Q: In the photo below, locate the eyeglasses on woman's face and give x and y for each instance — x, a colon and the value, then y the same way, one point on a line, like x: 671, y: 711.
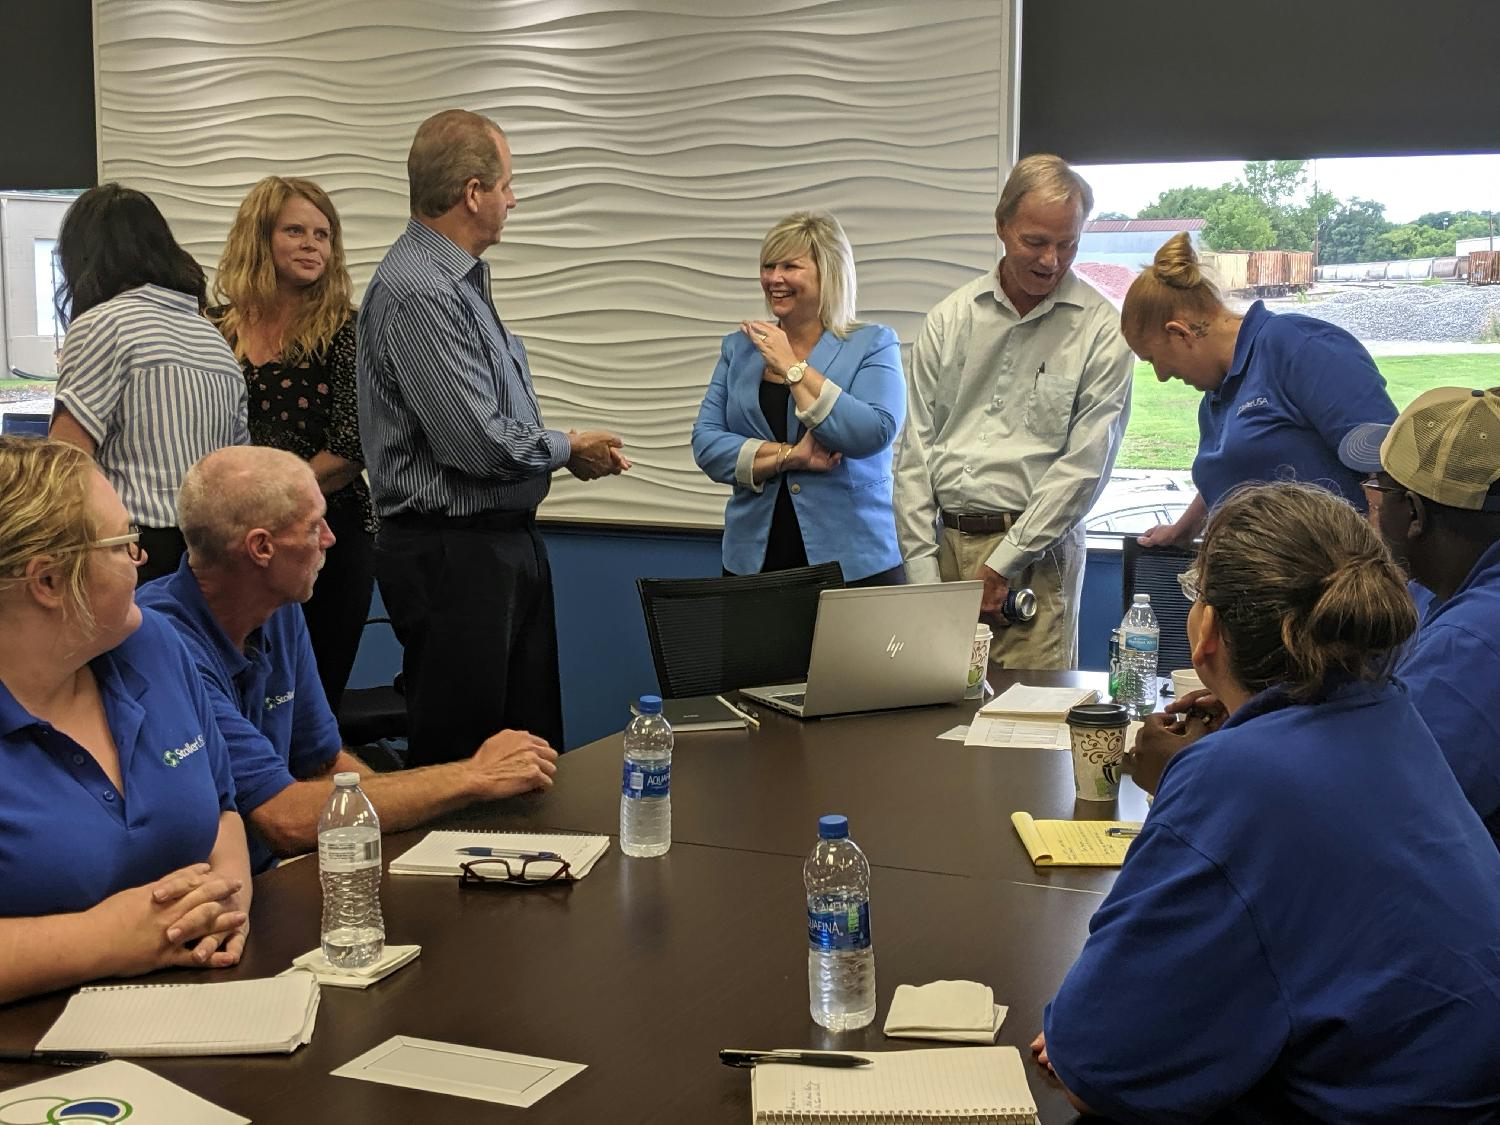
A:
x: 131, y: 541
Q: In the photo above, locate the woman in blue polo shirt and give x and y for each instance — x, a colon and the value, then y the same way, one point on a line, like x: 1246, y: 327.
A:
x: 120, y: 850
x: 1308, y: 926
x: 1280, y: 390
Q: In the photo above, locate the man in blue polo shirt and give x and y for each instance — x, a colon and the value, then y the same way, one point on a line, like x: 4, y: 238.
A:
x: 254, y: 523
x: 1434, y: 484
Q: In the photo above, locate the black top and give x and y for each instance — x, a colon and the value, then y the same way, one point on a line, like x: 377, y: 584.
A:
x: 311, y: 406
x: 784, y: 548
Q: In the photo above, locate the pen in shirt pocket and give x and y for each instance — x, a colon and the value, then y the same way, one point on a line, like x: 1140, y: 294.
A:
x: 1040, y: 371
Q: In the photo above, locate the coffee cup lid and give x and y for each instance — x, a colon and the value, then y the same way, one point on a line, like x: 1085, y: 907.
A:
x: 1099, y: 715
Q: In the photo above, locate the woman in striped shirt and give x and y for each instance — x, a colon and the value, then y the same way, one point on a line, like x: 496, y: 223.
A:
x: 288, y: 316
x: 145, y: 383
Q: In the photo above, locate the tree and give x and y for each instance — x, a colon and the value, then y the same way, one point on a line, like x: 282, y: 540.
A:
x: 1183, y: 203
x: 1275, y: 182
x: 1239, y: 221
x: 1112, y: 215
x: 1352, y: 232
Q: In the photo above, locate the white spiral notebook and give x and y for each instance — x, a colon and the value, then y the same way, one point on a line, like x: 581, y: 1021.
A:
x: 978, y: 1085
x: 440, y: 852
x: 237, y: 1017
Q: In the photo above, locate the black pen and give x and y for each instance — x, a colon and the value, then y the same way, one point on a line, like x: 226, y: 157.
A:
x: 730, y: 1057
x: 54, y: 1058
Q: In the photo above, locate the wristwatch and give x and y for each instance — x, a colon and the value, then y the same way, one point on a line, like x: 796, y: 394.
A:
x: 795, y: 372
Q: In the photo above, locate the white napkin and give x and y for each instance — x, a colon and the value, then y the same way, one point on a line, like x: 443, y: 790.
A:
x: 955, y: 1011
x: 392, y: 959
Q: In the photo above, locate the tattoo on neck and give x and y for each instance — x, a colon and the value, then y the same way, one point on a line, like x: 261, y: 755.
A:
x: 1199, y: 329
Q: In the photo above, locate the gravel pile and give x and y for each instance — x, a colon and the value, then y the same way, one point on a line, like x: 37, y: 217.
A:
x: 1451, y: 314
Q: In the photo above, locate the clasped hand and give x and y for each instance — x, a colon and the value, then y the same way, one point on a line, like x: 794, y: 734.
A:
x: 190, y: 918
x: 1171, y: 731
x: 811, y: 456
x: 596, y: 453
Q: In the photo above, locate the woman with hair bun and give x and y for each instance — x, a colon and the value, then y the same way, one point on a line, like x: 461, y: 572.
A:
x: 1308, y: 926
x: 1280, y: 391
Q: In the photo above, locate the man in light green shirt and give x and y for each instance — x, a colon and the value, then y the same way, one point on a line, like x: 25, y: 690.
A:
x: 1018, y: 395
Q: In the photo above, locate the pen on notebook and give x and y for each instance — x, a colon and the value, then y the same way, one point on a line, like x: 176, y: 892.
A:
x: 731, y: 1057
x: 507, y: 853
x: 1122, y: 831
x: 55, y: 1058
x: 750, y: 720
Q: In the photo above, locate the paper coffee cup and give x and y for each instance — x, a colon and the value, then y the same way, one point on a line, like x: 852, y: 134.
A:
x: 1185, y: 681
x: 979, y: 660
x: 1097, y: 734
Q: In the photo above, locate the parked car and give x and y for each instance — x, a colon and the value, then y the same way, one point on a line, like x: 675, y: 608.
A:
x: 1137, y: 500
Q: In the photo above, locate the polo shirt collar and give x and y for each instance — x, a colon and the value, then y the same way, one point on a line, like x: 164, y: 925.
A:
x: 1256, y: 318
x: 1486, y: 572
x: 110, y: 668
x: 1067, y: 292
x: 189, y: 595
x: 448, y: 256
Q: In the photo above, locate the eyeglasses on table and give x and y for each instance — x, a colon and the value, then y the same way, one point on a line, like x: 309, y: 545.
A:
x: 513, y: 872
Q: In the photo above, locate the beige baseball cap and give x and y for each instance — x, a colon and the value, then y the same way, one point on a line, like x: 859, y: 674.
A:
x: 1444, y: 446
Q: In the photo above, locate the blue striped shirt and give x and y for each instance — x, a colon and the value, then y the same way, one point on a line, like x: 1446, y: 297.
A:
x: 447, y: 415
x: 150, y: 379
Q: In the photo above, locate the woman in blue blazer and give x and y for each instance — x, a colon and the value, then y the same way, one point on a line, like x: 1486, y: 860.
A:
x: 800, y: 416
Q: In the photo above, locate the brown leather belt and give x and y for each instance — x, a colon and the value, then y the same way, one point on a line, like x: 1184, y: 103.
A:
x: 995, y: 524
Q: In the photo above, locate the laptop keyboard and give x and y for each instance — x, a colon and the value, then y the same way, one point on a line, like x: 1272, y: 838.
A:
x: 797, y: 700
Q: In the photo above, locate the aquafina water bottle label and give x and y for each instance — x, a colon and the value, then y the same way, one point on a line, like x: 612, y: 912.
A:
x: 839, y: 930
x: 647, y: 779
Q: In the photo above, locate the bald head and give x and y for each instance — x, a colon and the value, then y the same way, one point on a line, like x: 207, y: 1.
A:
x: 235, y: 490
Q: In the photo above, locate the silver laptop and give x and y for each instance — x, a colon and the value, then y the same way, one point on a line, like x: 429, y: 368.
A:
x: 883, y: 647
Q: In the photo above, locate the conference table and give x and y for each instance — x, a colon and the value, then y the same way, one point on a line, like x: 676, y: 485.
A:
x: 646, y: 967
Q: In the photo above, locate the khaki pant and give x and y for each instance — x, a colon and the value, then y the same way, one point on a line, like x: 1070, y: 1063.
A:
x: 1051, y: 640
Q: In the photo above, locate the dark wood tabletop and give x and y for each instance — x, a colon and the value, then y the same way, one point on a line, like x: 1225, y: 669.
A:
x: 645, y: 968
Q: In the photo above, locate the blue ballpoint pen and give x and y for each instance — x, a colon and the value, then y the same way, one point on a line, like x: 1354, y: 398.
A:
x: 507, y: 853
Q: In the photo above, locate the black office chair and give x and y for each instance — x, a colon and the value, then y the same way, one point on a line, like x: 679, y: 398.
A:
x: 1154, y: 571
x: 372, y: 721
x: 717, y: 634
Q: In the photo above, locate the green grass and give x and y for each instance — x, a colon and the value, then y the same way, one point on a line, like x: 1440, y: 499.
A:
x: 1163, y: 431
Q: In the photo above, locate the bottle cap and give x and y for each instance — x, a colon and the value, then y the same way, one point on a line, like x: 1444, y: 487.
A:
x: 1139, y: 598
x: 833, y: 827
x: 346, y: 779
x: 648, y: 705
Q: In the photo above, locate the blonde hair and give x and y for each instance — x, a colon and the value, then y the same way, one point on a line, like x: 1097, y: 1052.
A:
x: 1172, y: 287
x: 450, y: 149
x: 1307, y: 593
x: 246, y: 281
x: 1050, y: 177
x: 233, y: 491
x: 819, y: 235
x: 46, y: 515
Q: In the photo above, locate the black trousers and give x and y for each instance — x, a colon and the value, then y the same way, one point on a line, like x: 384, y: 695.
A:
x: 164, y: 548
x: 341, y: 600
x: 471, y: 603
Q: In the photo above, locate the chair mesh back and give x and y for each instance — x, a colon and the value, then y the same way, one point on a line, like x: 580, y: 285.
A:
x: 717, y: 634
x: 1154, y: 571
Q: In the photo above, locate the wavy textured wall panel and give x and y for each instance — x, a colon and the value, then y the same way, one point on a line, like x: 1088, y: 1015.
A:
x: 655, y: 142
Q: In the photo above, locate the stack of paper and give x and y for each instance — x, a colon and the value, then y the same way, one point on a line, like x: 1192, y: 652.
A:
x: 238, y: 1017
x: 1038, y: 704
x: 440, y: 853
x: 955, y: 1011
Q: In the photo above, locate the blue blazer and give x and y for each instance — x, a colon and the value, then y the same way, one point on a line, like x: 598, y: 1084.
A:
x: 845, y: 514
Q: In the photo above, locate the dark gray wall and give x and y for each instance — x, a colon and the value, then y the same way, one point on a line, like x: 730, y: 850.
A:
x: 1106, y: 81
x: 47, y: 94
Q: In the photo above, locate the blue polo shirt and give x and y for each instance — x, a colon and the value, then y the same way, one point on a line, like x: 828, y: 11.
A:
x: 268, y: 700
x: 68, y: 838
x: 1452, y: 670
x: 1296, y: 387
x: 1307, y: 929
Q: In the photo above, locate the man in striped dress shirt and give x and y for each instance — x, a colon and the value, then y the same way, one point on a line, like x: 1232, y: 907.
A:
x: 459, y: 458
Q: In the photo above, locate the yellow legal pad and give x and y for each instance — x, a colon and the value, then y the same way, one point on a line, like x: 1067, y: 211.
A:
x: 1073, y: 843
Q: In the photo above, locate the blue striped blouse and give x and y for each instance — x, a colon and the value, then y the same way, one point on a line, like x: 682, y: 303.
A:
x: 447, y: 415
x: 150, y: 379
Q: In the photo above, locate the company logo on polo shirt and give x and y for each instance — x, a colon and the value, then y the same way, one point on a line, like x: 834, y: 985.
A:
x: 1252, y: 404
x: 174, y: 757
x: 275, y: 701
x: 58, y: 1111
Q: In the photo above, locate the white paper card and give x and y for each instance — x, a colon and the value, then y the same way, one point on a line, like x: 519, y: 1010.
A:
x: 465, y: 1072
x: 1016, y: 734
x: 136, y: 1091
x: 955, y: 734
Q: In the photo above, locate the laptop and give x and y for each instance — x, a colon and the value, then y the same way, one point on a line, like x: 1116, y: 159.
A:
x: 884, y: 647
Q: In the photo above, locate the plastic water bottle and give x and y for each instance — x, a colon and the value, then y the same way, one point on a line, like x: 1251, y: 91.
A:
x: 646, y: 788
x: 349, y: 866
x: 1139, y: 637
x: 840, y: 957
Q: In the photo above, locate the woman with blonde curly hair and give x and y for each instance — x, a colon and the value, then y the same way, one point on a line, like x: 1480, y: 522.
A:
x: 288, y: 316
x: 1280, y: 390
x: 1308, y: 926
x: 120, y: 848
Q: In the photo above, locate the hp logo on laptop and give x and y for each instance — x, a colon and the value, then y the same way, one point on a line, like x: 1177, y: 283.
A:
x: 894, y: 646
